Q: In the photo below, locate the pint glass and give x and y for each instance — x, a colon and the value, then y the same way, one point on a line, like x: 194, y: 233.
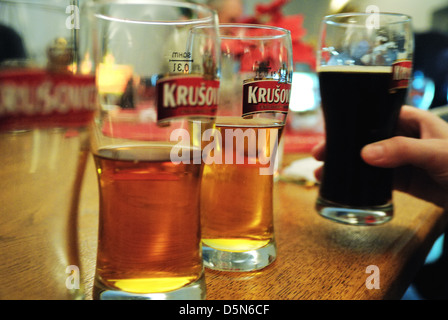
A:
x: 157, y: 69
x: 237, y: 183
x: 46, y: 104
x: 365, y: 62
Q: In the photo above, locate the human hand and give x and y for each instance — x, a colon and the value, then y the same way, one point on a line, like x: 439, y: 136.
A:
x: 419, y: 153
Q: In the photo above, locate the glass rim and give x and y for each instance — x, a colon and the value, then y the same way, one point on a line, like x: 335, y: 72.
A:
x: 329, y: 19
x: 211, y: 16
x: 282, y: 32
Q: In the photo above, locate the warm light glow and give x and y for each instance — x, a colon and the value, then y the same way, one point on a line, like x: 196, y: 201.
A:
x: 336, y: 5
x: 145, y: 285
x: 86, y: 64
x: 236, y: 245
x: 111, y: 77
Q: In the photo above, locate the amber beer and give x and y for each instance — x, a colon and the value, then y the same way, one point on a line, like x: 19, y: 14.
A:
x: 236, y: 205
x: 147, y: 241
x: 361, y: 105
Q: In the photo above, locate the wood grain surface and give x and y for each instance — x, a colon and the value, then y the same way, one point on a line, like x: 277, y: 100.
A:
x: 317, y: 258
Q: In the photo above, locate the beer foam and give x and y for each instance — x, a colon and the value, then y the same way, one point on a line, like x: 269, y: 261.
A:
x: 146, y: 152
x: 232, y: 121
x: 355, y: 69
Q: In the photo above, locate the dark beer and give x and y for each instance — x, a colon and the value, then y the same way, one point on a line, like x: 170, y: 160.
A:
x: 360, y: 105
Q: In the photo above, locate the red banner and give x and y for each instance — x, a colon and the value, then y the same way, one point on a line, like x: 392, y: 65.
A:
x: 39, y: 98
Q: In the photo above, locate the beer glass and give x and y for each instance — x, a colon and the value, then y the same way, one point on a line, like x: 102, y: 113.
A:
x: 237, y: 182
x: 157, y: 66
x: 364, y: 66
x: 46, y: 104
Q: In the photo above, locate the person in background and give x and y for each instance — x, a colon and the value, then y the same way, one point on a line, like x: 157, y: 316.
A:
x: 11, y: 45
x: 431, y: 58
x: 229, y: 11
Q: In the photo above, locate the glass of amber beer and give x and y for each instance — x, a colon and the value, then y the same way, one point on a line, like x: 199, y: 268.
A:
x: 365, y: 63
x: 237, y: 182
x: 158, y: 85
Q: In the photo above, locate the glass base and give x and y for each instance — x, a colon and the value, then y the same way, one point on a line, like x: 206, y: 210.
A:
x: 193, y: 291
x: 241, y: 261
x: 358, y: 216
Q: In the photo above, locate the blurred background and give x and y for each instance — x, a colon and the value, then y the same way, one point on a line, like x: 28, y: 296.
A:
x: 302, y: 17
x: 429, y: 86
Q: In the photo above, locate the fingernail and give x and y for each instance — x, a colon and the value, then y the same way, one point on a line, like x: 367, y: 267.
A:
x: 374, y: 152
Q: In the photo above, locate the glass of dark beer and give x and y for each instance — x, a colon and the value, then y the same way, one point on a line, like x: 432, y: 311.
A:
x: 157, y: 77
x: 364, y: 66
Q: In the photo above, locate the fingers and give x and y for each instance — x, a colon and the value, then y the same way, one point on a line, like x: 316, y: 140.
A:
x: 426, y: 146
x: 318, y: 151
x: 422, y: 124
x: 318, y: 173
x: 429, y: 154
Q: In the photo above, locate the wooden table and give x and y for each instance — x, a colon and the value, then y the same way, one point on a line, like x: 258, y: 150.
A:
x: 317, y: 258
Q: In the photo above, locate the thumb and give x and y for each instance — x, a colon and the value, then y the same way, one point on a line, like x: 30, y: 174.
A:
x: 429, y: 154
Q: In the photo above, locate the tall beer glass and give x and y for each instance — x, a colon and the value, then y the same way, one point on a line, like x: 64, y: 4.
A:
x: 158, y: 89
x: 237, y: 184
x: 47, y: 102
x: 365, y: 62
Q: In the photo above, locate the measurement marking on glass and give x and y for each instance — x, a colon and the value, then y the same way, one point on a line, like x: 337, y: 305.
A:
x: 186, y: 60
